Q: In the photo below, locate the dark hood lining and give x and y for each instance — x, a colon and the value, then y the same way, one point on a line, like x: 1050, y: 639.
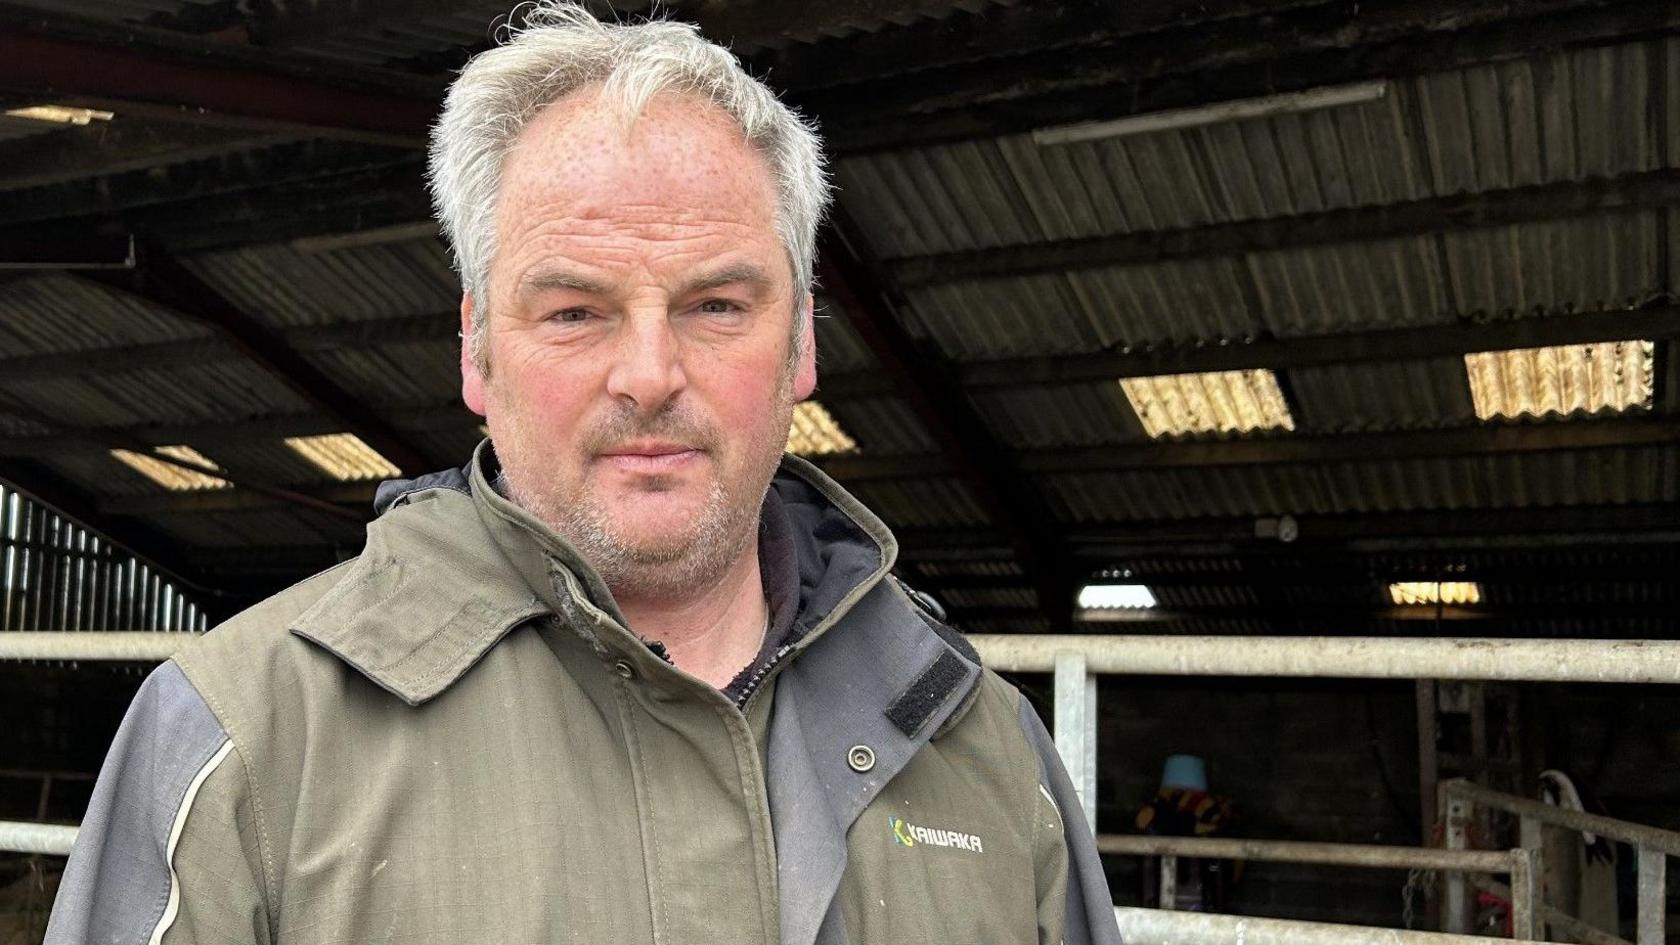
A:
x: 834, y: 554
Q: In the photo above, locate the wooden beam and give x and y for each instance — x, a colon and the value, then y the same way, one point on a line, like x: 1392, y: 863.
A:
x: 1290, y: 616
x: 358, y: 495
x: 101, y: 149
x: 1291, y: 449
x: 1423, y: 530
x: 1627, y: 193
x: 967, y: 446
x: 995, y: 36
x: 104, y: 361
x: 89, y: 251
x: 166, y: 283
x: 1455, y: 339
x: 335, y: 203
x: 143, y: 80
x: 1330, y: 44
x: 192, y: 351
x: 140, y: 197
x: 206, y: 436
x: 1315, y: 567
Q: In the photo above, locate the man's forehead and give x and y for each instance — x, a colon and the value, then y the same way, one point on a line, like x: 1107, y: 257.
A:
x: 680, y: 150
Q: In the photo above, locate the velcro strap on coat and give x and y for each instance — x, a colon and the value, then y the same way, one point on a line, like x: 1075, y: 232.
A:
x: 910, y: 711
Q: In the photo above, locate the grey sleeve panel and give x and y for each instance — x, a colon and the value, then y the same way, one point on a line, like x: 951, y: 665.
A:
x: 1090, y: 908
x: 116, y: 886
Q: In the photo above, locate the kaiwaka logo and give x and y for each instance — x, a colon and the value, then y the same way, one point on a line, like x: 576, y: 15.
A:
x: 907, y: 834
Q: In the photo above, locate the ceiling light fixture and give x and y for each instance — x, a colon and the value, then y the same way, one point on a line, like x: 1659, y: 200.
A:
x: 1179, y: 119
x: 60, y: 114
x: 1116, y: 596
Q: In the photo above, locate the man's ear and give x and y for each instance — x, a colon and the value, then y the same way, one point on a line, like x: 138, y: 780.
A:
x: 472, y: 380
x: 805, y: 378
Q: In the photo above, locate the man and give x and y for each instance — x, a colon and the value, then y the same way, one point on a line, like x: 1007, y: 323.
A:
x: 632, y: 675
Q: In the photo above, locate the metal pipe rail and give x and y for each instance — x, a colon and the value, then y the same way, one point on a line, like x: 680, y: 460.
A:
x: 1596, y: 661
x: 1617, y: 661
x: 47, y: 839
x: 1294, y: 851
x: 1156, y: 927
x: 1636, y: 835
x: 1652, y: 845
x: 119, y: 646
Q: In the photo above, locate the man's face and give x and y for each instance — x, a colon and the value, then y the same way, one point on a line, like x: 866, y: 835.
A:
x: 640, y: 320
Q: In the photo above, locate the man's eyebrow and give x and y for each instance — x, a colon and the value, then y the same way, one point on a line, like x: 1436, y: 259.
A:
x: 741, y: 274
x: 542, y: 280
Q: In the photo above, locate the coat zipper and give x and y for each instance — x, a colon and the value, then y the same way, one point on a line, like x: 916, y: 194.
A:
x: 761, y: 674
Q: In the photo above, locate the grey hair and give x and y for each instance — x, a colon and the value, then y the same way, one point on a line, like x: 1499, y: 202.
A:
x: 562, y: 47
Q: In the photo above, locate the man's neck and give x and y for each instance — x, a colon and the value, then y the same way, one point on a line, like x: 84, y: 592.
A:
x: 714, y: 632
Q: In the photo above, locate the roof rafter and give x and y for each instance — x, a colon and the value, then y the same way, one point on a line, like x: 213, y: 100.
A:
x: 968, y: 449
x: 1627, y: 193
x: 1458, y: 338
x: 165, y: 282
x: 1489, y: 439
x: 1341, y: 42
x: 148, y: 73
x: 1419, y: 530
x: 165, y: 354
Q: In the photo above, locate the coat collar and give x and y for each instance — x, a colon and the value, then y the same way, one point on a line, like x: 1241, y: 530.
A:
x: 451, y: 567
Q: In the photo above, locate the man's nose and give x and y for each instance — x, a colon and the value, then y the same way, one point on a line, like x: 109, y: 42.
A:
x: 647, y: 367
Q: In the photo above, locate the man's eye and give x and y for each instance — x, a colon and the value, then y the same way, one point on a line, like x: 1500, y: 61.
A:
x: 570, y: 315
x: 718, y: 307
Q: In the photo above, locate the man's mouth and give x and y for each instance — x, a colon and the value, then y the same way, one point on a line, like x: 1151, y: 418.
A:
x: 650, y: 456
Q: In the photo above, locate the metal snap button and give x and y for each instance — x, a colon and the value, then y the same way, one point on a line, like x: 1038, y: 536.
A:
x: 623, y: 668
x: 861, y: 758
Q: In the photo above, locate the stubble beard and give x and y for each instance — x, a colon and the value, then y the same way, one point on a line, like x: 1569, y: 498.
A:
x: 721, y: 531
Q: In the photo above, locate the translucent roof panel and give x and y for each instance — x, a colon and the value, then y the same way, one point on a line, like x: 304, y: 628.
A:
x: 169, y: 475
x: 343, y: 456
x: 1431, y: 593
x: 815, y: 432
x: 1611, y: 375
x: 1217, y: 402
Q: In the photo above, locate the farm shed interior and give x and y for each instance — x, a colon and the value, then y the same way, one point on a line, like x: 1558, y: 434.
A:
x: 1295, y: 318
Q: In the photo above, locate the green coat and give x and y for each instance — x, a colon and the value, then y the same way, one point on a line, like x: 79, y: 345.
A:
x: 453, y: 738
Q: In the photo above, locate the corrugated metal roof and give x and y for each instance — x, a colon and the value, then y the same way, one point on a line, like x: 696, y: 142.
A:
x: 1369, y: 397
x: 838, y: 346
x: 286, y: 288
x: 882, y: 426
x: 1065, y: 415
x: 1322, y: 290
x: 207, y: 392
x: 1582, y: 264
x: 998, y: 569
x: 55, y: 313
x: 394, y: 375
x: 16, y: 129
x: 919, y: 503
x: 1594, y: 477
x: 1567, y: 116
x: 1603, y: 262
x: 1005, y: 597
